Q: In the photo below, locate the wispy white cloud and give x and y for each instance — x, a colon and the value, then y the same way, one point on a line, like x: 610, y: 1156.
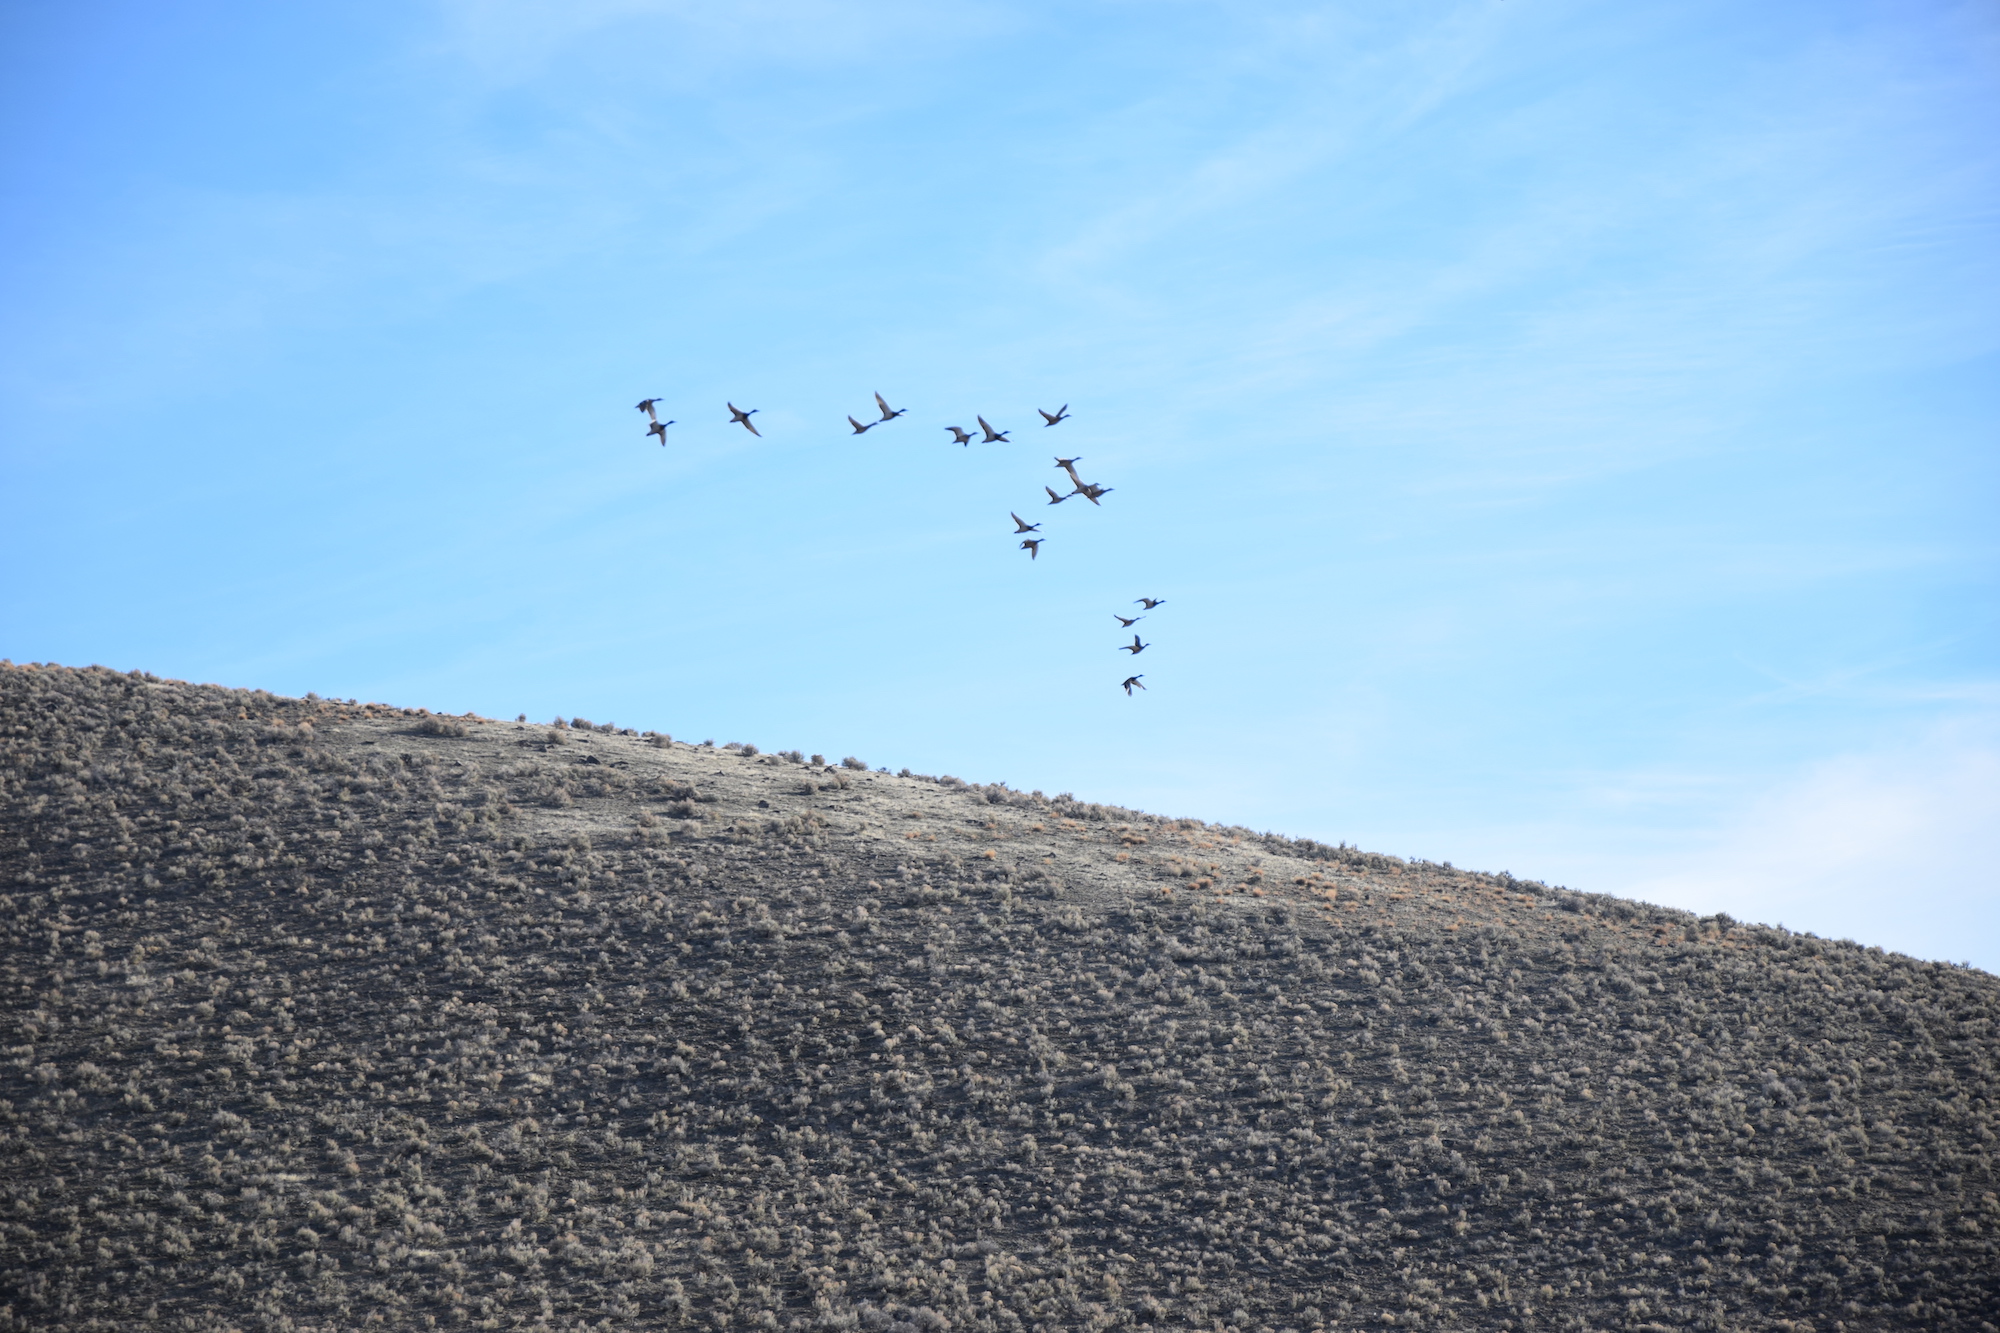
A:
x: 1899, y: 848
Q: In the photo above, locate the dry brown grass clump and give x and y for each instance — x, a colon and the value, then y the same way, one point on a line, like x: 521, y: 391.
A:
x: 328, y: 1016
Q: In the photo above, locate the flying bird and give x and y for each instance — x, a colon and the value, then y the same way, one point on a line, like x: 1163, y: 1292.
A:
x: 1091, y: 492
x: 1033, y: 546
x: 1134, y: 647
x: 1055, y: 499
x: 1060, y: 414
x: 992, y: 435
x: 1127, y: 621
x: 887, y: 414
x: 860, y: 429
x: 1020, y: 527
x: 738, y: 417
x: 646, y: 406
x: 1069, y: 465
x: 659, y: 428
x: 1150, y: 602
x: 1130, y: 683
x: 959, y: 436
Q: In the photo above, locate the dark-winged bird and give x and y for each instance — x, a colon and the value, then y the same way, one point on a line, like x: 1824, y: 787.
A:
x: 659, y: 428
x: 1055, y: 499
x: 646, y: 406
x: 860, y: 429
x: 992, y: 436
x: 1090, y: 492
x: 1051, y: 418
x: 887, y: 414
x: 1127, y: 621
x: 1130, y: 682
x: 738, y: 417
x: 1020, y: 527
x: 1150, y: 602
x: 959, y: 436
x: 1033, y: 546
x: 1134, y: 647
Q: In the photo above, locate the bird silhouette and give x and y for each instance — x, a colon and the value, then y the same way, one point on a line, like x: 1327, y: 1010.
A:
x: 887, y: 413
x: 659, y: 428
x: 1069, y: 465
x: 1055, y: 499
x: 1127, y: 621
x: 1020, y: 527
x: 646, y: 406
x: 1134, y: 647
x: 1090, y: 492
x: 1150, y: 602
x: 860, y: 429
x: 738, y: 417
x: 1131, y: 682
x: 1060, y: 414
x: 1033, y: 546
x: 959, y: 436
x: 992, y: 435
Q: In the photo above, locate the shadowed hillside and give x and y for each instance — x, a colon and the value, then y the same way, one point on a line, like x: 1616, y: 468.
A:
x: 330, y: 1017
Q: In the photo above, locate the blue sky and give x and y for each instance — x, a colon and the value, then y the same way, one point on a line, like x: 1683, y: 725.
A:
x: 1564, y: 433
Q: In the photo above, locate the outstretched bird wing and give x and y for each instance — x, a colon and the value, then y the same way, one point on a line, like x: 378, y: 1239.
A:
x: 860, y: 429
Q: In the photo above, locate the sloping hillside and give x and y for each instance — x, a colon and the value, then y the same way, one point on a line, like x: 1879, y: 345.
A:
x: 331, y: 1017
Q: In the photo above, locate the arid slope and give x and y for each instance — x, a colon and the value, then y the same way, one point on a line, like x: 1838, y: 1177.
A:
x: 328, y: 1017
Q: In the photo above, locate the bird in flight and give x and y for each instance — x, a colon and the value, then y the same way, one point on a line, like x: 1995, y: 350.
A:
x: 1150, y: 602
x: 1051, y: 418
x: 1134, y: 647
x: 860, y: 429
x: 1055, y: 499
x: 959, y: 436
x: 887, y: 413
x: 1020, y: 527
x: 1090, y: 492
x: 659, y: 428
x: 738, y: 417
x: 1033, y: 546
x: 1127, y: 621
x: 646, y: 406
x: 1132, y: 682
x: 992, y: 435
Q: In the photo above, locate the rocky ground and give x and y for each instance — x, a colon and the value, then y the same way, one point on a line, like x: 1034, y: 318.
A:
x: 324, y: 1016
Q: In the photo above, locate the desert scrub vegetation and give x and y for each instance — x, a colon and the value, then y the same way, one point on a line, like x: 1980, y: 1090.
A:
x: 321, y: 1019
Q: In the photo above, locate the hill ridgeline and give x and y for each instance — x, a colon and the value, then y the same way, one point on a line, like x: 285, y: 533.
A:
x: 332, y: 1017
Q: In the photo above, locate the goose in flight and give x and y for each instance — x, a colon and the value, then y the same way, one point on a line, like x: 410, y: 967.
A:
x: 738, y: 417
x: 1131, y: 682
x: 659, y: 428
x: 860, y: 429
x: 1150, y: 602
x: 1134, y: 647
x: 1127, y: 621
x: 1090, y: 492
x: 1020, y: 527
x: 1055, y: 499
x: 1051, y: 418
x: 887, y: 413
x: 992, y: 436
x: 646, y: 406
x: 959, y: 436
x: 1033, y: 546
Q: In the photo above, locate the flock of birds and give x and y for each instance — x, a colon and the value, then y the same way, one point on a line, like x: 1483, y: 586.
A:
x: 1022, y: 528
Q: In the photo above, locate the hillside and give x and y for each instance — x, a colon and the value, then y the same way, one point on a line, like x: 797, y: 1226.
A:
x: 326, y: 1017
